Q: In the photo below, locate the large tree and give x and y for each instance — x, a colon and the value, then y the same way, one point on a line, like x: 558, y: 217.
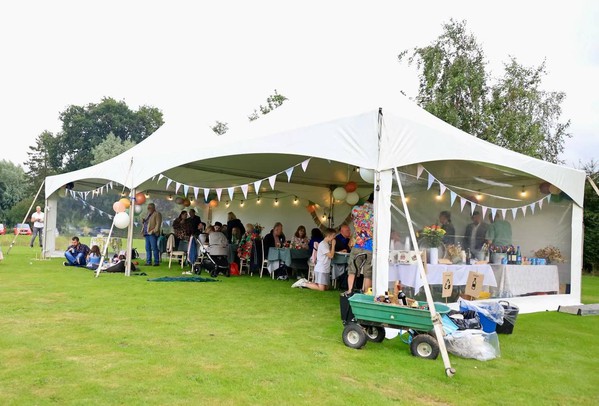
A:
x: 512, y: 111
x: 591, y: 218
x: 110, y: 147
x: 13, y: 184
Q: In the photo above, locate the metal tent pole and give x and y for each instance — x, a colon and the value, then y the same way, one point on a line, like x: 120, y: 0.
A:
x: 26, y: 216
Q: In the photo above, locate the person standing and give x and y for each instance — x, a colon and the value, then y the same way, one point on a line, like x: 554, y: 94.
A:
x: 151, y: 230
x: 445, y: 220
x: 37, y: 219
x: 233, y: 221
x: 361, y: 252
x: 475, y: 234
x: 193, y: 224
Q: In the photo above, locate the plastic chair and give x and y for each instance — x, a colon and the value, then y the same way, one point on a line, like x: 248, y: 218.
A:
x: 312, y: 263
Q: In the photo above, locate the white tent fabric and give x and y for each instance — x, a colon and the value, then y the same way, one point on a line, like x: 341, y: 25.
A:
x: 373, y: 135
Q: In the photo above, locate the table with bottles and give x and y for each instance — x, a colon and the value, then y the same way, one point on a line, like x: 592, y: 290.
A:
x: 523, y: 280
x: 409, y: 276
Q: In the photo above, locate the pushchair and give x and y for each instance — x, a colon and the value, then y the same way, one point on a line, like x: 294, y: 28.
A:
x: 213, y: 264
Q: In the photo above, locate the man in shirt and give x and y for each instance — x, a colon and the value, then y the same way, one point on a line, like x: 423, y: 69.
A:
x: 193, y: 223
x: 151, y: 231
x: 475, y: 234
x: 499, y: 232
x: 76, y: 254
x: 343, y: 239
x: 37, y: 219
x: 360, y: 258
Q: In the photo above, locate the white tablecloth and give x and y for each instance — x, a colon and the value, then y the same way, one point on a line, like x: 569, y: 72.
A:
x: 409, y: 276
x: 114, y: 245
x: 518, y: 280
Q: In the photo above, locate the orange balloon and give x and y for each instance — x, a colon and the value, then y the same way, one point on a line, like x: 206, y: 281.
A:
x: 351, y: 186
x: 126, y: 202
x: 213, y: 203
x: 118, y: 207
x: 186, y: 202
x: 140, y: 198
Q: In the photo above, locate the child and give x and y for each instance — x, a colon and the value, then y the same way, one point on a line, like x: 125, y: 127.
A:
x: 93, y: 258
x: 322, y: 269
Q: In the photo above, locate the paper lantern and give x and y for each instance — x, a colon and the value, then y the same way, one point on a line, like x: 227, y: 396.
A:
x: 352, y: 198
x: 140, y: 198
x: 339, y: 193
x: 126, y: 202
x: 311, y: 208
x: 121, y: 220
x: 554, y: 190
x: 367, y: 175
x: 138, y: 209
x: 213, y: 203
x: 118, y: 207
x: 179, y: 200
x: 351, y: 187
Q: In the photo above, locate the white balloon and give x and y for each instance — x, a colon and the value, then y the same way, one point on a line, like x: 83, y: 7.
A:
x: 138, y: 209
x: 352, y: 198
x: 367, y: 175
x: 121, y: 220
x: 340, y: 193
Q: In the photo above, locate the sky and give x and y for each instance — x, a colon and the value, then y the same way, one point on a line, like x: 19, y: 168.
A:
x: 219, y: 60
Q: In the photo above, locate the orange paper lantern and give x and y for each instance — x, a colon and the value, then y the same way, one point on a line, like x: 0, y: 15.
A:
x: 126, y: 202
x: 213, y: 203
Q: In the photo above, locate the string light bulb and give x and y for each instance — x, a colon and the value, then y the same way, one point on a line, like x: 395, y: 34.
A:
x: 324, y: 217
x: 258, y: 200
x: 295, y: 201
x: 227, y: 203
x: 241, y: 203
x: 479, y: 196
x: 147, y: 195
x: 438, y: 197
x: 170, y: 197
x: 276, y: 201
x: 523, y: 192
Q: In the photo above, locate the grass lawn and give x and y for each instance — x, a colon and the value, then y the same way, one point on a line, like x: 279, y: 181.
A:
x: 69, y: 338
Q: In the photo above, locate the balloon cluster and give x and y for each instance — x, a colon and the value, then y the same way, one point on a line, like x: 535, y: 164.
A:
x: 347, y: 193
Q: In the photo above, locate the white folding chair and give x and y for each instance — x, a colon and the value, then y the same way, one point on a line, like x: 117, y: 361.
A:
x: 312, y: 263
x: 264, y: 261
x: 177, y: 255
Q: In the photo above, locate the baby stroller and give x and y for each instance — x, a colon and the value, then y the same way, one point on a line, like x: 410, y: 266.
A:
x: 213, y: 264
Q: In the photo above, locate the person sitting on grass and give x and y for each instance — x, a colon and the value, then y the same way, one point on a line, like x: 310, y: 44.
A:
x: 322, y: 269
x: 76, y: 254
x: 93, y: 259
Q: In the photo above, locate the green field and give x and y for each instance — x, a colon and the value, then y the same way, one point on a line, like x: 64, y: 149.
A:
x: 70, y: 338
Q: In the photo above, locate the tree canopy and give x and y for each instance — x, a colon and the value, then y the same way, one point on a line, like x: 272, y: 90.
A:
x: 512, y: 111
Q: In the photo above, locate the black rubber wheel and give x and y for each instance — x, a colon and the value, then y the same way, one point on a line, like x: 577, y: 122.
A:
x: 354, y: 336
x: 424, y: 346
x: 376, y: 334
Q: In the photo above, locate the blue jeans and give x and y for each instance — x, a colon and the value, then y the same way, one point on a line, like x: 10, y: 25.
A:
x: 75, y: 260
x: 152, y: 247
x: 37, y: 232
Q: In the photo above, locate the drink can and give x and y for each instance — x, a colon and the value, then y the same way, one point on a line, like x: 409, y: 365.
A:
x: 504, y: 261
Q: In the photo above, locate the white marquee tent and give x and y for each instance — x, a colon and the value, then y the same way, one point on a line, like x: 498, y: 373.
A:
x: 308, y: 148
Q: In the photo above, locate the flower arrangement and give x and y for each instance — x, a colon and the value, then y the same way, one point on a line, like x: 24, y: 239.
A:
x: 551, y: 253
x: 258, y: 228
x: 453, y: 250
x: 433, y: 236
x: 501, y: 249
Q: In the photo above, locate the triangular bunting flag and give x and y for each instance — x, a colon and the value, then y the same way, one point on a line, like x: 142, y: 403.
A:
x: 289, y: 172
x: 168, y: 183
x: 305, y: 164
x: 195, y: 192
x: 452, y: 195
x: 271, y: 180
x: 532, y: 208
x: 442, y: 188
x: 85, y: 195
x: 472, y: 207
x: 231, y: 191
x: 136, y: 223
x: 257, y: 186
x: 462, y: 203
x: 206, y: 193
x: 219, y: 191
x: 484, y: 211
x: 160, y: 177
x: 514, y: 211
x: 523, y: 210
x: 431, y: 179
x: 185, y: 190
x: 493, y: 213
x: 503, y: 213
x: 177, y: 186
x: 110, y: 217
x: 540, y: 203
x: 244, y: 189
x: 419, y: 171
x: 110, y: 186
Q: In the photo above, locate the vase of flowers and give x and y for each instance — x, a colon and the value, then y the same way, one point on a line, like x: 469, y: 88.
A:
x: 432, y: 237
x: 551, y: 254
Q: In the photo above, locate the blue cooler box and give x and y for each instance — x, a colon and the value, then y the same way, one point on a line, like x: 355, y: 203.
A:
x: 487, y: 324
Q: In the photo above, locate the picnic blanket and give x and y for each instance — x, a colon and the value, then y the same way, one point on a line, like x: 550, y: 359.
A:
x: 182, y: 279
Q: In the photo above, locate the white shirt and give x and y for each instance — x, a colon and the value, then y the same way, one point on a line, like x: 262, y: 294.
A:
x: 38, y: 219
x: 323, y: 262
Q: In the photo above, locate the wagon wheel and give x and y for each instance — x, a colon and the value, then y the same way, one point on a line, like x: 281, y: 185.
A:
x: 354, y: 336
x: 424, y: 346
x: 376, y: 334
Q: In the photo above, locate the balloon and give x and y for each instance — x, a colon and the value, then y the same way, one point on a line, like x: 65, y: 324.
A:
x: 138, y: 209
x: 186, y: 202
x: 544, y: 187
x: 367, y: 175
x: 179, y: 200
x: 140, y: 198
x: 339, y: 193
x: 118, y: 207
x: 311, y: 208
x: 352, y: 198
x: 121, y: 220
x: 126, y: 202
x: 213, y: 203
x: 351, y: 187
x: 554, y: 190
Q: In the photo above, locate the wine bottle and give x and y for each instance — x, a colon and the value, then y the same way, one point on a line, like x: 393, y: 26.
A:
x: 468, y: 256
x: 518, y: 256
x: 401, y: 297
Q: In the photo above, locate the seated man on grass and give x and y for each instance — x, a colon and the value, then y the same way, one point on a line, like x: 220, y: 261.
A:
x: 76, y: 254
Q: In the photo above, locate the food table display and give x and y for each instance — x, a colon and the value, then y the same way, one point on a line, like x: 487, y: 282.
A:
x: 522, y: 280
x: 409, y: 276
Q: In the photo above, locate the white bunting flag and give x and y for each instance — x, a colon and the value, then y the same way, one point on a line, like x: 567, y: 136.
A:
x: 206, y: 193
x: 219, y: 191
x: 257, y: 186
x: 185, y: 190
x: 110, y: 186
x: 523, y: 208
x: 504, y: 213
x: 244, y: 189
x: 305, y: 164
x: 177, y: 186
x: 419, y: 171
x: 493, y: 213
x: 484, y: 211
x: 442, y: 188
x: 548, y: 198
x: 231, y: 191
x: 532, y: 208
x: 271, y: 180
x: 85, y: 195
x: 195, y: 192
x: 289, y: 172
x: 462, y: 203
x: 431, y: 179
x: 160, y: 177
x: 514, y: 211
x: 541, y: 203
x: 452, y: 195
x: 168, y: 183
x: 472, y: 208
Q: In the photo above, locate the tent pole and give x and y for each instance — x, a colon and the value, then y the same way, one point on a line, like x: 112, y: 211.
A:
x: 435, y: 317
x: 594, y: 186
x: 26, y: 216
